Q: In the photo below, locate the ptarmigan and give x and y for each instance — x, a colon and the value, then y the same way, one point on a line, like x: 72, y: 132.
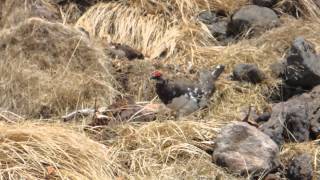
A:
x: 187, y: 97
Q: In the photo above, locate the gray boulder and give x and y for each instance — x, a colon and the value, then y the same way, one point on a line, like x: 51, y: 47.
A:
x: 295, y: 120
x: 252, y: 17
x: 302, y: 65
x: 288, y: 122
x: 243, y: 149
x: 248, y: 72
x: 300, y: 168
x: 265, y: 3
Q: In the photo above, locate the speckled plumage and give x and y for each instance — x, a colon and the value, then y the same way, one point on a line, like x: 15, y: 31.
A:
x: 186, y: 97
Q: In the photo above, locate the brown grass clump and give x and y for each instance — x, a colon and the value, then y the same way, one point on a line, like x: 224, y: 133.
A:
x: 165, y: 150
x: 117, y: 22
x: 48, y: 151
x: 154, y: 35
x: 48, y: 69
x: 14, y: 12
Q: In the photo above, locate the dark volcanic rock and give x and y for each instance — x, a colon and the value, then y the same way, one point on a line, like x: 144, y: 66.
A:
x: 243, y: 148
x: 300, y: 168
x: 217, y: 23
x: 302, y: 65
x: 297, y: 119
x: 288, y: 122
x: 283, y: 92
x: 314, y: 111
x: 248, y: 72
x: 265, y: 3
x: 252, y: 17
x: 300, y: 71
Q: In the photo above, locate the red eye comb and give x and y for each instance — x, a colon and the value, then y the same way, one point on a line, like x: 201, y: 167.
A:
x: 156, y: 74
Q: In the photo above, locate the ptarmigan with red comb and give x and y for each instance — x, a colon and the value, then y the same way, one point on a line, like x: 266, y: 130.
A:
x: 187, y: 97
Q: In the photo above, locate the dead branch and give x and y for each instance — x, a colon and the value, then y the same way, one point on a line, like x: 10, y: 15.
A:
x: 76, y: 114
x: 10, y: 117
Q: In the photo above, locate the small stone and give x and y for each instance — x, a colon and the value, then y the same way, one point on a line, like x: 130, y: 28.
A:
x: 300, y: 168
x: 243, y: 149
x: 248, y: 72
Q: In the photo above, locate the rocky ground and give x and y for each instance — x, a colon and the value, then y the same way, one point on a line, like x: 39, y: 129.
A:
x: 78, y: 103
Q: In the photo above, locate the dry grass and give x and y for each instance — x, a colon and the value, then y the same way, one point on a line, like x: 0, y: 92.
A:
x: 185, y: 9
x: 307, y: 8
x: 47, y: 69
x: 163, y: 149
x: 152, y: 34
x: 48, y: 151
